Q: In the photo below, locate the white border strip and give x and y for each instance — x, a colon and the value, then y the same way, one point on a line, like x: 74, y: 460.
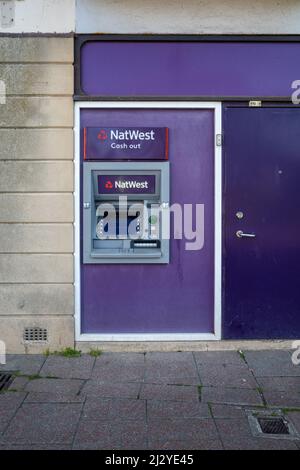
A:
x: 216, y: 106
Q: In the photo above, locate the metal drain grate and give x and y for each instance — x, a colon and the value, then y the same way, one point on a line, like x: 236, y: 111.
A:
x: 273, y: 426
x: 35, y: 334
x: 5, y: 381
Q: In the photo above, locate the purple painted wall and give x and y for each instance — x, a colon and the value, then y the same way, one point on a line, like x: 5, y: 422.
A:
x: 133, y: 69
x: 173, y: 298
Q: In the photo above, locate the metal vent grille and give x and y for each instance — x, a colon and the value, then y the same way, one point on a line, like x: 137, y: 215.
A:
x: 273, y: 426
x: 35, y: 334
x: 5, y: 381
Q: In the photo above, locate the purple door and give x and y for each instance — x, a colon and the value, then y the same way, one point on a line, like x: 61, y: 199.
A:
x: 173, y: 298
x: 262, y: 222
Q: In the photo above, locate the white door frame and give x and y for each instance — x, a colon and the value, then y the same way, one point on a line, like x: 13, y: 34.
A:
x: 217, y: 108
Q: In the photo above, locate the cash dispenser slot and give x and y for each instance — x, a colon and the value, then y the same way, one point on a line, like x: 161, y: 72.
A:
x: 145, y: 244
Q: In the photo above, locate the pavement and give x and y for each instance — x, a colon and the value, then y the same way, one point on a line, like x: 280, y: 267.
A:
x: 153, y: 400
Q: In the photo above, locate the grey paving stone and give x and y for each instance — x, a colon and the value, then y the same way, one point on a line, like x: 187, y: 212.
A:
x: 26, y: 364
x: 171, y: 368
x: 234, y: 429
x: 272, y: 363
x: 226, y: 375
x: 227, y: 411
x: 238, y: 396
x: 284, y: 399
x: 94, y: 435
x: 19, y: 383
x: 96, y: 388
x: 259, y: 444
x: 182, y: 429
x: 56, y: 397
x: 191, y: 444
x: 43, y: 424
x: 176, y: 409
x: 169, y: 392
x: 68, y: 367
x: 35, y: 447
x: 71, y: 386
x: 114, y: 409
x: 219, y: 358
x: 119, y: 367
x: 280, y: 384
x: 9, y: 403
x: 127, y: 435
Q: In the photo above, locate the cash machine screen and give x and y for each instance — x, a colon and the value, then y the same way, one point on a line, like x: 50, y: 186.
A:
x: 118, y: 225
x: 126, y: 184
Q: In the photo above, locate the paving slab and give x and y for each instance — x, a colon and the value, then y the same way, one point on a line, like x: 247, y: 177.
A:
x: 71, y: 386
x: 68, y: 367
x: 19, y: 383
x: 234, y: 428
x: 226, y: 375
x: 285, y: 399
x: 114, y: 409
x: 99, y: 435
x: 45, y: 424
x: 9, y: 403
x: 191, y: 444
x: 122, y: 367
x: 96, y: 388
x: 169, y: 392
x: 227, y: 411
x: 53, y: 397
x: 280, y: 384
x: 235, y: 396
x: 177, y: 409
x: 259, y: 444
x: 219, y: 358
x: 182, y: 429
x: 171, y: 368
x: 26, y: 364
x: 35, y: 447
x: 272, y: 363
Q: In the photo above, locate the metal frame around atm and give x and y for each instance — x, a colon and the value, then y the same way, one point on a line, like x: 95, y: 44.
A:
x: 216, y: 335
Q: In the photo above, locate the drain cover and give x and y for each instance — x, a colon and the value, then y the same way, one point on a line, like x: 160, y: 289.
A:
x: 5, y: 381
x: 273, y: 426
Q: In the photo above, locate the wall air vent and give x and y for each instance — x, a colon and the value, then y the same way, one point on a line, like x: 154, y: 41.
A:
x: 35, y: 334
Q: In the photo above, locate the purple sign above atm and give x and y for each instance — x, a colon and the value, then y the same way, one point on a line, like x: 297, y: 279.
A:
x: 125, y: 143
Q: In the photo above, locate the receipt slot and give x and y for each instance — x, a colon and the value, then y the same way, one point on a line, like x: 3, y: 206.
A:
x: 125, y: 212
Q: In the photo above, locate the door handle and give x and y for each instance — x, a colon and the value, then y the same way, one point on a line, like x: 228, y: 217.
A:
x: 241, y: 234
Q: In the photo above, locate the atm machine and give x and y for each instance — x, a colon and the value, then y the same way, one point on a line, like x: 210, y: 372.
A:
x: 125, y: 211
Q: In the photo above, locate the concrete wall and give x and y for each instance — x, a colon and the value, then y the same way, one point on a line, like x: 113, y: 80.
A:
x: 36, y: 185
x: 33, y: 16
x: 153, y: 16
x: 188, y: 16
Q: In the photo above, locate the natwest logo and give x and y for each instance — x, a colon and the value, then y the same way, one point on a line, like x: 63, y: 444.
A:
x: 102, y: 135
x: 108, y: 185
